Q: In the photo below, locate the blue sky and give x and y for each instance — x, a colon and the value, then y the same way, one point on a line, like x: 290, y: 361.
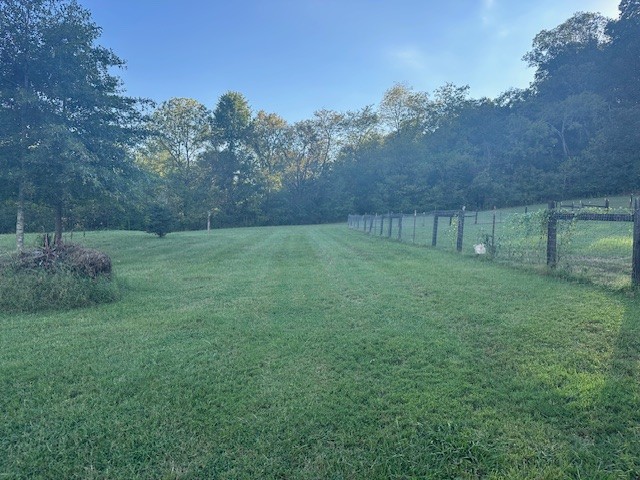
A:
x: 293, y: 57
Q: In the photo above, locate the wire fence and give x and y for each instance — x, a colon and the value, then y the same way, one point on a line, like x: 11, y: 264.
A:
x: 594, y: 242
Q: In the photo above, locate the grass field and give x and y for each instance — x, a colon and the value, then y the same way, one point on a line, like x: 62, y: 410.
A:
x: 318, y: 352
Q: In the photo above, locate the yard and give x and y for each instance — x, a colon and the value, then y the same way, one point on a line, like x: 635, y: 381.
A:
x: 318, y: 352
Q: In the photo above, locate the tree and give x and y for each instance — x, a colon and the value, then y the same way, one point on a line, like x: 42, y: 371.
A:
x: 402, y: 109
x: 159, y: 220
x: 232, y: 118
x: 181, y: 130
x: 71, y: 123
x: 448, y: 101
x: 360, y: 126
x: 231, y: 160
x: 270, y: 141
x: 567, y: 58
x: 575, y: 120
x: 623, y: 59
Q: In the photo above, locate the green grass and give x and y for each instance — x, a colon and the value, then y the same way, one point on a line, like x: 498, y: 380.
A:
x: 41, y: 291
x: 319, y: 352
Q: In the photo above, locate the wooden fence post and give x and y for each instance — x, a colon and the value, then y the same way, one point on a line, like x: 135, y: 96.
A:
x: 635, y: 262
x: 493, y: 230
x: 552, y: 234
x: 434, y: 238
x: 460, y: 230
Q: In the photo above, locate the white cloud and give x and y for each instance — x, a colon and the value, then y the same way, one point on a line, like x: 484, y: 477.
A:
x: 407, y: 57
x: 487, y: 12
x: 488, y: 4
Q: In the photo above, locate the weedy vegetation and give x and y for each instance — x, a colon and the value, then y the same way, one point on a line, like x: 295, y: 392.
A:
x: 55, y: 277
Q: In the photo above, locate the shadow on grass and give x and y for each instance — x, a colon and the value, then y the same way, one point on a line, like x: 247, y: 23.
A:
x: 616, y: 415
x: 557, y: 409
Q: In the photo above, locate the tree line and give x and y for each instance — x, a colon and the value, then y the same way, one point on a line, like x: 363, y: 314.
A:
x: 76, y: 152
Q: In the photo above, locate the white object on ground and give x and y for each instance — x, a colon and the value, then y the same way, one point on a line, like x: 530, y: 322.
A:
x: 480, y: 249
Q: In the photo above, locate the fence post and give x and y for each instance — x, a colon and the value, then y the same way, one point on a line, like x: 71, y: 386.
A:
x: 381, y: 223
x: 390, y: 225
x: 460, y: 230
x: 373, y: 220
x: 400, y: 226
x: 434, y: 238
x: 635, y: 267
x: 415, y: 218
x: 552, y: 233
x: 493, y: 230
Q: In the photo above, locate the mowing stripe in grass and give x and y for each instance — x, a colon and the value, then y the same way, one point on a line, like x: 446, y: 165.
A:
x: 315, y: 352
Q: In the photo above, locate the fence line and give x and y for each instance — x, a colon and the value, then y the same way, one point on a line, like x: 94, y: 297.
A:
x: 577, y: 238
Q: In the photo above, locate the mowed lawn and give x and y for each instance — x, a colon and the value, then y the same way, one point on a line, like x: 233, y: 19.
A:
x: 321, y: 353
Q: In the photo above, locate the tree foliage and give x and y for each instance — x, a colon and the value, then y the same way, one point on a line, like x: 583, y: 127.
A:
x: 66, y: 124
x: 180, y: 130
x: 573, y: 132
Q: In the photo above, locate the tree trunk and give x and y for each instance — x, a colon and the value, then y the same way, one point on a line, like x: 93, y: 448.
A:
x: 20, y: 220
x: 57, y: 239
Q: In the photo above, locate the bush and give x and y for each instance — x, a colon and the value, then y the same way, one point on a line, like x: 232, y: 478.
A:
x: 159, y: 220
x: 56, y: 278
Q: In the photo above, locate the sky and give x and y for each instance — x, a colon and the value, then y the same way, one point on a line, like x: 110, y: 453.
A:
x: 293, y: 57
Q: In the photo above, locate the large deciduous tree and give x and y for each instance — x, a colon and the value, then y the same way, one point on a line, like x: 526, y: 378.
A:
x: 404, y: 110
x: 623, y: 59
x: 567, y: 58
x: 231, y: 160
x: 70, y: 124
x: 270, y: 141
x: 181, y: 130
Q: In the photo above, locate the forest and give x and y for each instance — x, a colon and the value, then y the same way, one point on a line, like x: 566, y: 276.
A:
x: 77, y: 153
